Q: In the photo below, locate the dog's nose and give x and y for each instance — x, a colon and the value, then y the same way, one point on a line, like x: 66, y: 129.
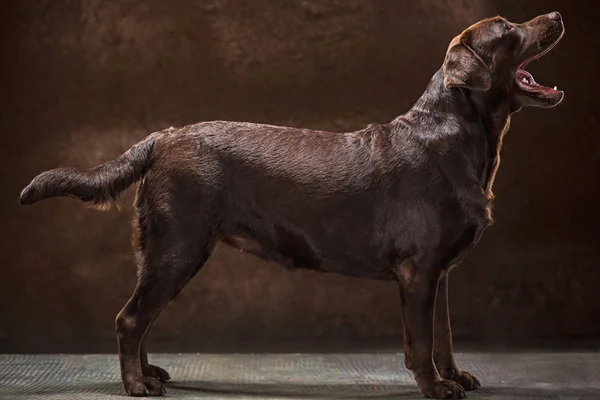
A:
x: 555, y: 16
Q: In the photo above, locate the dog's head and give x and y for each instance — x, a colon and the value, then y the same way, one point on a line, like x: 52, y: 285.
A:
x: 494, y: 52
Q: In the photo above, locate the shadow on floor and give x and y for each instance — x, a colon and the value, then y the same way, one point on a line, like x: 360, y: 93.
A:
x: 228, y: 390
x: 356, y: 391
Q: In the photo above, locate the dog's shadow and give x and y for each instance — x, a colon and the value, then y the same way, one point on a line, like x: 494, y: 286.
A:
x: 263, y: 390
x: 283, y: 390
x: 212, y: 389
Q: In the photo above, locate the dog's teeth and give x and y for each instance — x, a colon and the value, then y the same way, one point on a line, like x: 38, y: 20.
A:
x: 555, y: 88
x: 524, y: 80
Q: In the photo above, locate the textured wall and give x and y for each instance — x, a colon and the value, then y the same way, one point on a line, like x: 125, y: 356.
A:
x: 83, y: 80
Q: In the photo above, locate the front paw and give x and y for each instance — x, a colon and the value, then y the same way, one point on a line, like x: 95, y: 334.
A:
x: 442, y: 389
x: 155, y: 372
x: 463, y: 378
x: 142, y: 386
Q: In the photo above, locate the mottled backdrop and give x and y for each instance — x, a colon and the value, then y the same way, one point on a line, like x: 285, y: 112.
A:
x: 83, y: 80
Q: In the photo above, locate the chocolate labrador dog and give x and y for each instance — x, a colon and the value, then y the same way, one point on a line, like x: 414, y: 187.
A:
x: 403, y: 201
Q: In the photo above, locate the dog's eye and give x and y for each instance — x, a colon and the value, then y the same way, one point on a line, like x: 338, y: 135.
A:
x: 507, y: 27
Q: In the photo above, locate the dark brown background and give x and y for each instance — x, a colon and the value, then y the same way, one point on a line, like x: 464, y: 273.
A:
x: 83, y: 80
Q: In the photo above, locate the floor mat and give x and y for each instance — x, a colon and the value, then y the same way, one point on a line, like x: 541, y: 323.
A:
x: 299, y: 376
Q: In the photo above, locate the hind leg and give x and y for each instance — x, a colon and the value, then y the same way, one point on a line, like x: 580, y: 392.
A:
x: 171, y: 251
x: 153, y: 293
x: 154, y: 371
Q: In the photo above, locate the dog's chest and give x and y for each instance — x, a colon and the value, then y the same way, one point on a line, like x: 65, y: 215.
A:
x: 464, y: 231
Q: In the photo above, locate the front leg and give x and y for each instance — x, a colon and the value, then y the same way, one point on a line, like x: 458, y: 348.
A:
x: 418, y: 286
x: 443, y: 354
x: 148, y: 369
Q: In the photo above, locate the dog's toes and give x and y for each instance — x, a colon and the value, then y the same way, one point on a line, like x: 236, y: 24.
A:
x: 156, y: 372
x: 155, y: 388
x: 443, y: 389
x: 466, y: 380
x: 163, y: 375
x: 144, y: 386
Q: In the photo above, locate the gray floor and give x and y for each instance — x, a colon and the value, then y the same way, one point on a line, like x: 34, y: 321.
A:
x: 295, y: 376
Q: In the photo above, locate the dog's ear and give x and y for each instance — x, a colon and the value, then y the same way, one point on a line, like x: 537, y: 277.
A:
x: 464, y: 68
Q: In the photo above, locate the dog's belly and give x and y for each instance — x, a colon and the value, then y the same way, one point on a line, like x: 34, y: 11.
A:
x: 355, y: 236
x: 361, y: 246
x: 294, y: 252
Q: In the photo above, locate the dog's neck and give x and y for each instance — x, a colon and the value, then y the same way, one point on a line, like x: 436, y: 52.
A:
x: 474, y: 120
x: 494, y: 109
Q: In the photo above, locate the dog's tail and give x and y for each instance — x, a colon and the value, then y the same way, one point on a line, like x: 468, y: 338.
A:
x: 99, y: 186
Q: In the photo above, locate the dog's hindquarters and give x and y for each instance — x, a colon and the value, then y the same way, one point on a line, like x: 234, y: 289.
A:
x: 100, y: 186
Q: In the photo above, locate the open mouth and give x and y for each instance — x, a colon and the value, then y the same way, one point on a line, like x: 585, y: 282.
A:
x: 528, y: 84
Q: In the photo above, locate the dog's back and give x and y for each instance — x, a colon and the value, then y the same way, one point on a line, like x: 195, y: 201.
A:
x: 304, y: 198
